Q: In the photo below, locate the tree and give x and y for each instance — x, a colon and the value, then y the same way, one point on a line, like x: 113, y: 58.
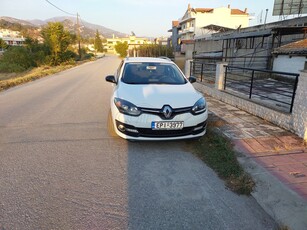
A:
x: 121, y: 48
x: 58, y: 40
x: 38, y: 51
x: 155, y: 51
x: 3, y: 44
x: 98, y: 43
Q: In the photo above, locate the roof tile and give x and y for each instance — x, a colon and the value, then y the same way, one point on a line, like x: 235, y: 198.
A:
x: 299, y: 47
x: 238, y: 11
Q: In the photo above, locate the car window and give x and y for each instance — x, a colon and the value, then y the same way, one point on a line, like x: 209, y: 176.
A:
x: 152, y: 73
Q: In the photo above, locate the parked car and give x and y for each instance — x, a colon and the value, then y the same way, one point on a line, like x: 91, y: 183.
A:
x: 153, y: 100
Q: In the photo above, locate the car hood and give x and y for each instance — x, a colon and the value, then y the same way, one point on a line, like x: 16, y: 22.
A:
x: 155, y: 96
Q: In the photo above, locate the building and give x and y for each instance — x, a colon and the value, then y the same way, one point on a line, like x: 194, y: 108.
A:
x: 195, y: 22
x: 291, y: 57
x: 162, y: 41
x: 174, y: 40
x: 12, y: 38
x: 249, y: 47
x: 133, y: 43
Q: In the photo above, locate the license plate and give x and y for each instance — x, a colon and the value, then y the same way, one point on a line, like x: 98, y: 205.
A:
x: 167, y: 125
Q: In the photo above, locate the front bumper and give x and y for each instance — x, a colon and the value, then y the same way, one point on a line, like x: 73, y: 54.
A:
x: 139, y: 128
x: 134, y: 132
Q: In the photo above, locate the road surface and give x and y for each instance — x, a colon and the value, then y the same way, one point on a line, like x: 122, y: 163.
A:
x: 61, y: 169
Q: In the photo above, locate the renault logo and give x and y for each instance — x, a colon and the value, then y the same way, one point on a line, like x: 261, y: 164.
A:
x: 167, y: 111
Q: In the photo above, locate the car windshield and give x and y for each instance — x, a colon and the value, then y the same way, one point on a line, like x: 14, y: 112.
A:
x: 152, y: 73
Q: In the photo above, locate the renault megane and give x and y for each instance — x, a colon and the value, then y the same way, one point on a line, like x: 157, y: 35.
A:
x: 153, y: 100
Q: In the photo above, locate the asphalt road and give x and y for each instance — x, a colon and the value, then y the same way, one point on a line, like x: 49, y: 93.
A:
x: 61, y: 169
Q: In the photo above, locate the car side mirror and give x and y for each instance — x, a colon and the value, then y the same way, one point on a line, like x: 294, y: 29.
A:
x: 110, y: 78
x: 192, y: 79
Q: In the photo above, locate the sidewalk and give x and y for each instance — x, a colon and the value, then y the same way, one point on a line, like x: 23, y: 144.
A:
x: 275, y: 158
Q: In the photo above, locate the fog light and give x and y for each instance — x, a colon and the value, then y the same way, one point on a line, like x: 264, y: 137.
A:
x: 198, y: 128
x: 121, y: 128
x: 132, y: 130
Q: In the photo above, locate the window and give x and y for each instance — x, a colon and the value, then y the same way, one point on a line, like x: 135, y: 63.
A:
x: 152, y: 73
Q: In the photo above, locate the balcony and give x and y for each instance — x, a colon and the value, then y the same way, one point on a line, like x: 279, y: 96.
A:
x: 187, y: 30
x: 187, y: 19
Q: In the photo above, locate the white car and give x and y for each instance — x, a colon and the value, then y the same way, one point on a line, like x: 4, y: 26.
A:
x: 153, y: 100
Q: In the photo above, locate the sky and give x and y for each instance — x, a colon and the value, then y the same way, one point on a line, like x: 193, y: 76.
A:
x: 151, y: 18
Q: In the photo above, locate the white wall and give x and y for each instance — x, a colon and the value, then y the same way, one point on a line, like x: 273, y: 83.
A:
x: 222, y: 17
x: 285, y: 63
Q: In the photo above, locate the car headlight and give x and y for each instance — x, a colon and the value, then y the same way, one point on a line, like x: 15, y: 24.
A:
x: 199, y: 107
x: 126, y: 107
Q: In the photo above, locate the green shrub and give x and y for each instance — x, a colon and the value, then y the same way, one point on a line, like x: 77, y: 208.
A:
x: 16, y: 59
x: 10, y: 68
x: 67, y: 56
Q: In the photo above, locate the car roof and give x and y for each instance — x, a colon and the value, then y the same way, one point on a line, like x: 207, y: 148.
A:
x: 147, y: 59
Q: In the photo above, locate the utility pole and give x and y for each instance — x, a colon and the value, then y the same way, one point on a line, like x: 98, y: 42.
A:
x: 78, y: 36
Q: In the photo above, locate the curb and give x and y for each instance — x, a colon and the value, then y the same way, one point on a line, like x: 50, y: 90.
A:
x: 284, y: 205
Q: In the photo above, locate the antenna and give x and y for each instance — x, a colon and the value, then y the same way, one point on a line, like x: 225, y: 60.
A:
x: 266, y: 15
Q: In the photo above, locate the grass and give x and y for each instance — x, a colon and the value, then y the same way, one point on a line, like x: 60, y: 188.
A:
x: 283, y: 227
x: 10, y: 80
x: 217, y: 152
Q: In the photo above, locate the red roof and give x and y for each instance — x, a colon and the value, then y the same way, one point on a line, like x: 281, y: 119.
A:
x: 204, y: 10
x: 299, y: 47
x: 210, y: 10
x: 187, y: 41
x: 239, y: 12
x: 175, y: 23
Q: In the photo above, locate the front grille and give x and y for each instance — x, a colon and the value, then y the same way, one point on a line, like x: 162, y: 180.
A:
x: 159, y: 112
x: 165, y: 133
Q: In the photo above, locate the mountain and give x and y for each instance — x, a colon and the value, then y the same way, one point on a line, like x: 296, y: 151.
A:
x: 26, y: 28
x: 37, y: 22
x: 87, y: 29
x: 16, y: 21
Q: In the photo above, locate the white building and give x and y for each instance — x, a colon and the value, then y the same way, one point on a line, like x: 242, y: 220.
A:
x: 195, y: 22
x: 291, y: 57
x: 12, y: 38
x: 133, y: 43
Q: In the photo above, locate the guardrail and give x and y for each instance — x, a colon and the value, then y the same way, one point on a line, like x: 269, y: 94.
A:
x: 272, y: 88
x: 205, y: 71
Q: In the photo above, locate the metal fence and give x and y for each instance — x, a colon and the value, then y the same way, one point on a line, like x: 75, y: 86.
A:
x: 270, y: 88
x: 203, y: 70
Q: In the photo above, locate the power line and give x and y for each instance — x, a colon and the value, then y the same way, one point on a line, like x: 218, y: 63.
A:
x: 81, y: 21
x: 78, y: 29
x: 60, y: 8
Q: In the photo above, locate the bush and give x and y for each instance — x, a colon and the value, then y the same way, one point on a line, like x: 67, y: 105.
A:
x: 67, y: 56
x: 16, y: 59
x: 155, y: 50
x: 39, y: 58
x: 88, y: 56
x: 10, y: 68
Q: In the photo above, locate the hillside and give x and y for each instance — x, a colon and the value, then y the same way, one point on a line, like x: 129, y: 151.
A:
x: 70, y: 23
x: 25, y: 28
